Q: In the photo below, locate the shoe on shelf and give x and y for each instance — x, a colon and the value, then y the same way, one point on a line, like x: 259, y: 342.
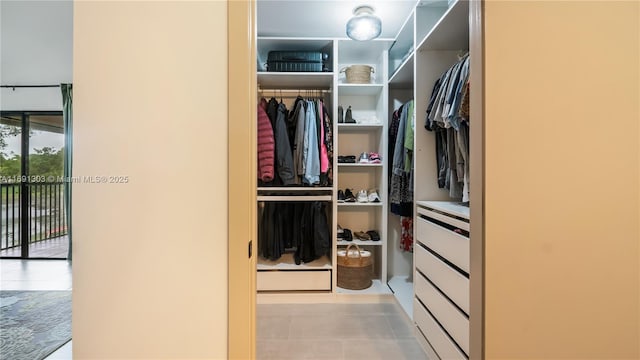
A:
x: 340, y: 231
x: 373, y: 196
x: 346, y: 158
x: 340, y: 114
x: 341, y: 196
x: 362, y: 196
x: 346, y: 235
x: 364, y: 158
x: 374, y: 235
x: 348, y: 118
x: 362, y: 235
x: 348, y: 196
x: 374, y: 158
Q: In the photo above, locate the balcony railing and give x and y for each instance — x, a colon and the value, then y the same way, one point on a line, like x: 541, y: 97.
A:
x: 46, y: 216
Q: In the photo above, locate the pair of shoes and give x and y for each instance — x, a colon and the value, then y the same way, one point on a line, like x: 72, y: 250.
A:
x: 369, y: 158
x: 344, y: 234
x: 372, y: 196
x: 374, y: 235
x: 370, y: 235
x: 346, y: 196
x: 366, y: 197
x: 347, y: 159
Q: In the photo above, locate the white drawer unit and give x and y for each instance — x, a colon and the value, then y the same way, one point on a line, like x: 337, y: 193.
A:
x: 453, y: 320
x: 446, y: 278
x: 441, y: 278
x: 440, y: 342
x: 291, y: 280
x: 284, y: 275
x: 446, y: 243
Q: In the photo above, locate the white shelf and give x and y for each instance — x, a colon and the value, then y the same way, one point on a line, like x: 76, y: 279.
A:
x: 377, y: 287
x: 295, y: 80
x: 448, y: 207
x: 360, y: 242
x: 402, y: 288
x: 294, y: 189
x: 358, y: 127
x: 451, y: 32
x: 286, y: 262
x: 403, y: 77
x: 294, y: 198
x: 359, y: 89
x: 358, y: 165
x: 357, y: 204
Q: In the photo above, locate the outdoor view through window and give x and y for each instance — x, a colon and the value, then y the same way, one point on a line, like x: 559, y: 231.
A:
x: 32, y: 196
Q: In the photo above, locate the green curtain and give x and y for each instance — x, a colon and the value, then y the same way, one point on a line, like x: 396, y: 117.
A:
x: 67, y: 113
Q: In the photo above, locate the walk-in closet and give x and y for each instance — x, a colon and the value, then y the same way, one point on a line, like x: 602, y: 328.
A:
x: 363, y: 163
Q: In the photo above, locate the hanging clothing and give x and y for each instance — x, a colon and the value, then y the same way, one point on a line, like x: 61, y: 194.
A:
x: 324, y: 158
x: 310, y: 152
x: 447, y: 116
x: 303, y: 143
x: 272, y: 111
x: 284, y: 157
x: 406, y: 233
x: 327, y: 179
x: 298, y: 227
x: 266, y: 145
x: 393, y: 135
x: 401, y: 186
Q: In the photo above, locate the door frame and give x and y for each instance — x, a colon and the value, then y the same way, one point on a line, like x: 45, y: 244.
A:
x: 242, y: 93
x: 242, y: 178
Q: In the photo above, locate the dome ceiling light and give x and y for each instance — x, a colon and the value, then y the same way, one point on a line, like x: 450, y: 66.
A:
x: 364, y: 25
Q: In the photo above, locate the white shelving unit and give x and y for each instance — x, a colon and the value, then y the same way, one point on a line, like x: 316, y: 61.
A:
x: 284, y: 274
x: 369, y: 108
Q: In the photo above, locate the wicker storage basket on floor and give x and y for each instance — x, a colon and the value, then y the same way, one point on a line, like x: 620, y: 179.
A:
x: 358, y: 74
x: 354, y: 269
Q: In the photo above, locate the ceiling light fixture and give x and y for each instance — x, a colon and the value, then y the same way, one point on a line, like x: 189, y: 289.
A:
x: 364, y: 25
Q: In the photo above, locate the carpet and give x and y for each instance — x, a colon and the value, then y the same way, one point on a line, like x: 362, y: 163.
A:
x: 33, y: 324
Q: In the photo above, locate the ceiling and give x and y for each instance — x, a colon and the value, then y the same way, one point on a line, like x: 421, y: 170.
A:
x: 326, y: 18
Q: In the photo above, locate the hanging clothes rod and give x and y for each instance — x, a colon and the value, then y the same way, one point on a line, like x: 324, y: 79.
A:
x: 29, y: 86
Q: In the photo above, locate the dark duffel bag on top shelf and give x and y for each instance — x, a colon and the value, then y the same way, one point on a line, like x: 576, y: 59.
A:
x: 296, y: 61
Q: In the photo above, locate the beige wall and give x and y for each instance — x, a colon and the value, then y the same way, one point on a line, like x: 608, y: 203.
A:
x: 150, y: 256
x: 562, y: 184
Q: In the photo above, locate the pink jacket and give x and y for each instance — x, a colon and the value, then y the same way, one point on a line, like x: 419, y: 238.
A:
x: 266, y: 144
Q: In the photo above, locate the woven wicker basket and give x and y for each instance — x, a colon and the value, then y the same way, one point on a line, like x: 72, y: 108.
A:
x: 354, y: 272
x: 358, y: 74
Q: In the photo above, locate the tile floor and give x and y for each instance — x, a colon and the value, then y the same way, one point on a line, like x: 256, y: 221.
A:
x: 38, y: 275
x: 335, y: 331
x: 284, y: 331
